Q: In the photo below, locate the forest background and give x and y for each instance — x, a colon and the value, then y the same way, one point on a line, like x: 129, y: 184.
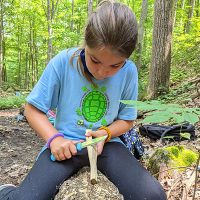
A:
x: 32, y: 32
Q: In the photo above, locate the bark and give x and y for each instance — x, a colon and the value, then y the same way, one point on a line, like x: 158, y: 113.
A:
x: 50, y: 10
x: 198, y: 8
x: 190, y: 15
x: 161, y: 48
x: 90, y: 4
x: 182, y: 8
x: 72, y: 19
x: 141, y: 30
x: 50, y: 32
x: 1, y: 40
x: 19, y: 77
x: 27, y: 70
x: 174, y: 15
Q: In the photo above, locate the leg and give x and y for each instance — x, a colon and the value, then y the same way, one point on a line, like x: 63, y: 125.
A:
x: 45, y: 178
x: 130, y: 177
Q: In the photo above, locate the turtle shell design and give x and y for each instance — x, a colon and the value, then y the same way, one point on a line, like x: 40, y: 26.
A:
x: 94, y: 106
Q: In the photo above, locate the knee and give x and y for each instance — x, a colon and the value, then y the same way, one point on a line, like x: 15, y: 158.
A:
x: 157, y: 193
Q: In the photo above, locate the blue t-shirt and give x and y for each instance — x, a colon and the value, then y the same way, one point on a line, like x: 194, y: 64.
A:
x: 79, y: 104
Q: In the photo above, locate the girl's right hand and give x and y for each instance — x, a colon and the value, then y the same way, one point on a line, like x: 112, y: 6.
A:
x: 63, y: 149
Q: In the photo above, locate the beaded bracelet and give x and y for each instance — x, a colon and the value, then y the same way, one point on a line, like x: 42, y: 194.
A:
x: 108, y: 132
x: 52, y: 138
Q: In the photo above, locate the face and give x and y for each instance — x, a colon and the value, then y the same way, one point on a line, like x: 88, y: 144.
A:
x: 103, y: 63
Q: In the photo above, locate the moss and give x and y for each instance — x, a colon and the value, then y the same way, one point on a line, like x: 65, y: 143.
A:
x: 173, y: 156
x: 160, y: 156
x: 181, y: 156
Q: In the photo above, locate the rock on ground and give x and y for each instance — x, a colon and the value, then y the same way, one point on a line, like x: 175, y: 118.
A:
x: 79, y: 187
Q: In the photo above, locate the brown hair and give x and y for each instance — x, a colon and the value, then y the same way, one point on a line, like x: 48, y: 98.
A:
x: 114, y: 25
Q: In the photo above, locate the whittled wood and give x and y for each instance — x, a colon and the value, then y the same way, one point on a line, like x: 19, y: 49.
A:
x: 92, y: 154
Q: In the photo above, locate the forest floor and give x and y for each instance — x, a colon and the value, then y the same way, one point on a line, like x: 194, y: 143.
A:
x: 19, y: 146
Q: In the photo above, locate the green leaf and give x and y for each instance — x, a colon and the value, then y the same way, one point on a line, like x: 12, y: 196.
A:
x: 156, y: 119
x: 159, y: 113
x: 191, y: 117
x: 197, y: 112
x: 185, y: 135
x: 178, y: 118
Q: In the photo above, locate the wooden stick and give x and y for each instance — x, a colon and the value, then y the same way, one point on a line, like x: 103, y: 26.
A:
x: 92, y: 154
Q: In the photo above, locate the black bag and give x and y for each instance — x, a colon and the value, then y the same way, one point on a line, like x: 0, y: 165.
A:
x: 155, y: 131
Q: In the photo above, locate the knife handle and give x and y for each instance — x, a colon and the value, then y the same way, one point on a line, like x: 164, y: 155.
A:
x: 52, y: 157
x: 78, y: 147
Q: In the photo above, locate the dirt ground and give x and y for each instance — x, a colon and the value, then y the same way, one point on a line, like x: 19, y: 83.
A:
x: 19, y: 146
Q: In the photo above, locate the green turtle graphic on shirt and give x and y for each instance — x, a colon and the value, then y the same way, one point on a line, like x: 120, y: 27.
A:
x: 94, y: 105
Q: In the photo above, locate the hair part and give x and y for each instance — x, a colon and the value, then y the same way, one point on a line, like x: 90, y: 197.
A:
x: 112, y: 25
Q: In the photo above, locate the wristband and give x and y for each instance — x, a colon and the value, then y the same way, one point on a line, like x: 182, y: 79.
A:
x: 52, y: 138
x: 108, y: 132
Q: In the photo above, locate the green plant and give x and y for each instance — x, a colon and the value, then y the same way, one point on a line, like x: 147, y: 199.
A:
x: 11, y: 102
x: 159, y: 112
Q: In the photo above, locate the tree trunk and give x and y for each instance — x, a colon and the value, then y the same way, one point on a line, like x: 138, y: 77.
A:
x: 72, y: 18
x: 161, y: 48
x: 190, y: 15
x: 50, y: 11
x: 1, y: 41
x: 174, y: 14
x: 182, y: 9
x: 90, y: 4
x: 198, y: 8
x: 27, y: 70
x: 4, y: 72
x: 143, y: 18
x: 50, y: 32
x: 19, y: 77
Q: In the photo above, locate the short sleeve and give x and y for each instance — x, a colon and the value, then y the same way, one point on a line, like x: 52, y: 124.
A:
x: 44, y: 95
x: 130, y: 92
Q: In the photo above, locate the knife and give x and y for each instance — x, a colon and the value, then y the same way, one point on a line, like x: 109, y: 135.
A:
x: 81, y: 145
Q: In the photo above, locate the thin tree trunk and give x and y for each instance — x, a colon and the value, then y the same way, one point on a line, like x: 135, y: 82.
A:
x: 90, y: 4
x: 198, y: 8
x: 4, y: 72
x: 19, y: 56
x: 50, y: 31
x: 72, y: 18
x: 26, y: 71
x: 143, y: 18
x: 190, y: 15
x: 161, y: 48
x: 174, y: 15
x: 50, y: 10
x: 182, y: 9
x: 1, y: 40
x: 35, y: 55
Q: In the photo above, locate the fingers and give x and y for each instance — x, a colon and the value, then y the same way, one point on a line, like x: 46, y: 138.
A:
x: 100, y: 146
x: 65, y: 150
x: 90, y: 133
x: 97, y: 133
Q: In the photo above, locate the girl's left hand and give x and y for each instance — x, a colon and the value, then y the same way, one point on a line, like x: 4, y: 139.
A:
x: 95, y: 134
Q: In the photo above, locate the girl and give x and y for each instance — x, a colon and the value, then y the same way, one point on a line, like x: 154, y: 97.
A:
x: 86, y: 85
